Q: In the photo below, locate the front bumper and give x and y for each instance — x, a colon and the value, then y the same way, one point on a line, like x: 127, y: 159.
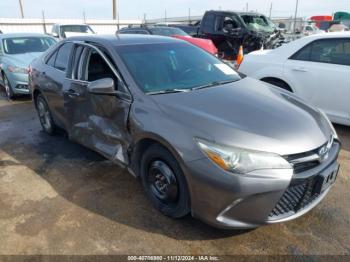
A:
x: 19, y: 83
x: 261, y: 197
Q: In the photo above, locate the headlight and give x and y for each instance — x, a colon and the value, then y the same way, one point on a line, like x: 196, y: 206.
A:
x: 238, y: 160
x: 15, y: 69
x: 335, y: 135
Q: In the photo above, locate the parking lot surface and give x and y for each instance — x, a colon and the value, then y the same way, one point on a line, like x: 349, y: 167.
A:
x: 57, y: 197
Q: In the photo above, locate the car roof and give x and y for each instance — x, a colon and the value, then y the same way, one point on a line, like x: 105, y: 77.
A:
x: 63, y: 24
x: 330, y: 35
x: 236, y: 12
x: 125, y: 39
x: 12, y: 35
x: 149, y: 27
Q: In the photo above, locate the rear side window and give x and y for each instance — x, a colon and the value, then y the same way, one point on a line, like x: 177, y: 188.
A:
x: 332, y: 51
x: 62, y: 57
x: 51, y: 60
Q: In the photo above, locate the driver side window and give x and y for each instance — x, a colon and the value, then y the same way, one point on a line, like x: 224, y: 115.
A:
x: 92, y: 66
x: 229, y: 24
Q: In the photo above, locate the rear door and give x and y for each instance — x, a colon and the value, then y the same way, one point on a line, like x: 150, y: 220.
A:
x: 321, y: 70
x: 53, y: 80
x: 98, y: 121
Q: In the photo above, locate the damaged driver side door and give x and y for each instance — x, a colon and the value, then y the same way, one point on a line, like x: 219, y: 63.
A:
x: 98, y: 104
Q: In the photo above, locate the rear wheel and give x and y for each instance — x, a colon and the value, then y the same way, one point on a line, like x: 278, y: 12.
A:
x: 45, y: 116
x: 8, y: 88
x: 164, y: 182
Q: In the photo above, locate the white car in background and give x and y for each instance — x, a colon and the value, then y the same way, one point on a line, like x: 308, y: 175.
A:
x: 315, y: 68
x: 61, y: 31
x: 312, y: 30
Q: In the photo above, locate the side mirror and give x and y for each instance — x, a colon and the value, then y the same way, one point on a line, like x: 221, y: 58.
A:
x: 54, y: 34
x: 103, y: 86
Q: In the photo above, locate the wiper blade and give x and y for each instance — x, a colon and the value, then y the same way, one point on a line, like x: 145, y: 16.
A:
x: 216, y: 83
x: 168, y: 91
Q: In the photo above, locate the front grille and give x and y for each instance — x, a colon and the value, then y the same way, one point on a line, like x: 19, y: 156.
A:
x: 299, y: 165
x: 295, y: 198
x: 305, y: 187
x: 305, y: 166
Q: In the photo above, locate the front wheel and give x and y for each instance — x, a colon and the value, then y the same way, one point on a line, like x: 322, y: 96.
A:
x: 164, y: 182
x: 44, y: 114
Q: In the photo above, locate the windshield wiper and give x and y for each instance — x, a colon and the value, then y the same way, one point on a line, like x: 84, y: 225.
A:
x: 215, y: 83
x: 168, y: 91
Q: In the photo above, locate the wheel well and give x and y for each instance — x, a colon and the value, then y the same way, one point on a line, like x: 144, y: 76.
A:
x: 139, y: 149
x: 278, y: 82
x: 35, y: 95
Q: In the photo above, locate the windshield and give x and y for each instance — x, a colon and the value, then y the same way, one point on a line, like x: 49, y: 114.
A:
x: 75, y: 29
x: 174, y: 67
x: 167, y: 31
x: 21, y: 45
x: 259, y: 23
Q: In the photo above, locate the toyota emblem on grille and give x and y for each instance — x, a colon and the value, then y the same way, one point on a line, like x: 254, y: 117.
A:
x: 323, y: 152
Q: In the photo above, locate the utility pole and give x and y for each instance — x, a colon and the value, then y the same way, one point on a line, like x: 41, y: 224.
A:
x: 189, y: 15
x: 144, y: 19
x: 44, y: 23
x: 21, y: 8
x: 246, y: 7
x: 165, y: 15
x: 114, y: 2
x: 295, y: 16
x: 270, y: 10
x: 84, y: 17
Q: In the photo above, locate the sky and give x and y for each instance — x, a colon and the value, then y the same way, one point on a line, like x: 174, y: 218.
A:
x: 135, y: 9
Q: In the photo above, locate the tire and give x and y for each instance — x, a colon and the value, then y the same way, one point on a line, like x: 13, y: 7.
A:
x: 7, y: 86
x: 45, y: 116
x: 278, y: 83
x: 160, y: 172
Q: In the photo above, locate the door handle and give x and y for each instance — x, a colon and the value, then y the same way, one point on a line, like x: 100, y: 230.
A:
x: 300, y: 69
x: 72, y: 93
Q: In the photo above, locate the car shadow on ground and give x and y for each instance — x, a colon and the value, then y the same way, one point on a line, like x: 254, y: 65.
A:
x: 88, y: 180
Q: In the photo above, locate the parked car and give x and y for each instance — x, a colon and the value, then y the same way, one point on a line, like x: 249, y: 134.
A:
x: 16, y: 53
x: 205, y: 44
x: 204, y: 139
x: 61, y: 31
x: 229, y: 30
x: 315, y: 68
x: 338, y: 28
x: 311, y: 30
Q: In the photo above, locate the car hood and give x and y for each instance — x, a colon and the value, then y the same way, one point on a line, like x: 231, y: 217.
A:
x: 23, y: 60
x: 205, y: 44
x: 248, y: 114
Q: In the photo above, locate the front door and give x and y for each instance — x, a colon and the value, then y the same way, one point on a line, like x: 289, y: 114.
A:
x: 98, y: 121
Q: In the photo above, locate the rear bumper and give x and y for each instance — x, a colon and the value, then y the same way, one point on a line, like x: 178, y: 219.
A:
x: 228, y: 200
